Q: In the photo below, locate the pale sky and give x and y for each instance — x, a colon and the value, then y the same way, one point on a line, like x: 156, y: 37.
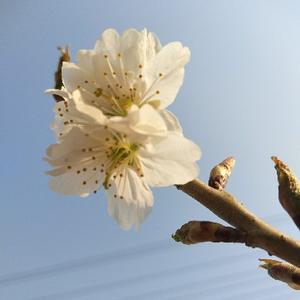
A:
x: 241, y: 97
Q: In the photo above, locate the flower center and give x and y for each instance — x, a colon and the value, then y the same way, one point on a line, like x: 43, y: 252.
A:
x: 121, y: 153
x: 125, y: 104
x: 113, y: 105
x: 119, y: 89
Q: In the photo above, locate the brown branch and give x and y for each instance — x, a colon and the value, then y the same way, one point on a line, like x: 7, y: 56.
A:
x: 259, y: 233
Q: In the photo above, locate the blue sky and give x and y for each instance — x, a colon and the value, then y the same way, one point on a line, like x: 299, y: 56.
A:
x: 240, y: 97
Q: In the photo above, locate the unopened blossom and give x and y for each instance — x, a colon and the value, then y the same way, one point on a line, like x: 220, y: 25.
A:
x: 220, y: 174
x: 282, y: 271
x: 288, y: 190
x: 128, y: 70
x: 91, y: 153
x: 195, y: 232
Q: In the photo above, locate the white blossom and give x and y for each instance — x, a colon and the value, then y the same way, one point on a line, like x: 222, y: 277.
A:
x: 126, y: 164
x: 128, y: 70
x: 113, y: 129
x: 144, y: 120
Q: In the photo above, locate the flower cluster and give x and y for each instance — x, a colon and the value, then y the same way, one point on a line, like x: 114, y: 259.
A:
x: 113, y: 129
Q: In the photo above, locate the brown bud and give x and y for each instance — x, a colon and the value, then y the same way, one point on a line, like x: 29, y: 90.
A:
x: 282, y: 271
x: 289, y: 190
x: 220, y: 173
x: 204, y: 231
x: 64, y: 56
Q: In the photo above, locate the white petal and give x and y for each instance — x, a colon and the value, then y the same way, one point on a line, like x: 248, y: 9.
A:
x: 76, y: 112
x: 147, y: 120
x: 109, y: 43
x: 171, y: 57
x: 62, y: 93
x: 73, y: 76
x: 94, y: 63
x: 73, y: 148
x: 129, y: 199
x: 70, y: 182
x: 142, y: 121
x: 169, y: 87
x: 59, y: 127
x: 91, y: 114
x: 152, y: 45
x: 170, y: 160
x: 132, y: 47
x: 171, y: 121
x: 169, y: 62
x: 85, y: 60
x: 122, y: 124
x: 154, y: 41
x: 64, y: 113
x: 77, y: 162
x: 138, y: 49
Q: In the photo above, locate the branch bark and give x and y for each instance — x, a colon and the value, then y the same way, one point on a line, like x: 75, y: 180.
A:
x: 259, y: 233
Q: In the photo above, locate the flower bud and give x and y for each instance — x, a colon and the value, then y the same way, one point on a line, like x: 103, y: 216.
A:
x: 220, y: 173
x: 282, y: 271
x: 204, y: 231
x: 289, y: 190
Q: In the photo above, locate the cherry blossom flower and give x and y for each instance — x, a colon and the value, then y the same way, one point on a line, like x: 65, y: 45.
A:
x: 144, y: 120
x: 113, y: 129
x: 131, y: 70
x: 127, y: 165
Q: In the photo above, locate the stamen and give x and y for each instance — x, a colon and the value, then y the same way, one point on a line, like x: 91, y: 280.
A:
x: 98, y: 92
x: 149, y: 89
x: 123, y: 73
